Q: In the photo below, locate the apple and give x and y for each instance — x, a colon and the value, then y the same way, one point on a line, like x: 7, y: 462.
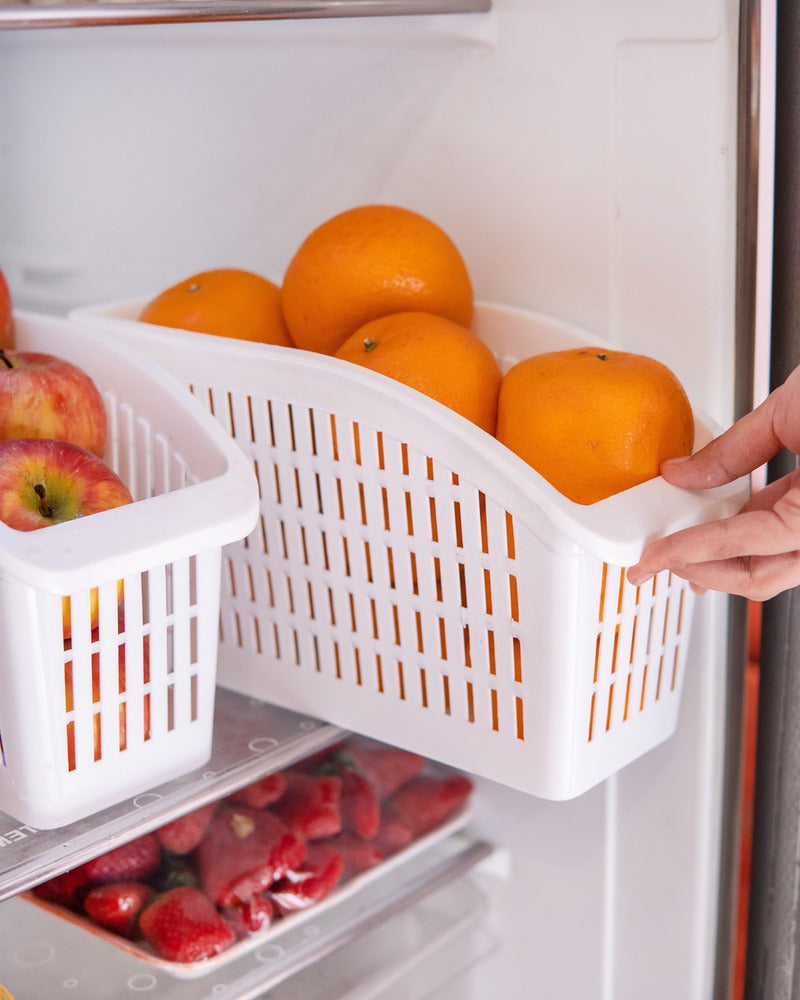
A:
x: 69, y: 699
x: 44, y: 482
x: 42, y: 396
x: 6, y: 318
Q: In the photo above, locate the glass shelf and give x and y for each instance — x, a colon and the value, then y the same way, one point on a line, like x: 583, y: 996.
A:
x: 251, y: 738
x: 85, y: 13
x: 368, y: 936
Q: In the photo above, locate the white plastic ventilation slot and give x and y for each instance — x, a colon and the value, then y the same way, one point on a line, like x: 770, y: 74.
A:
x: 637, y: 659
x: 135, y: 675
x: 411, y: 592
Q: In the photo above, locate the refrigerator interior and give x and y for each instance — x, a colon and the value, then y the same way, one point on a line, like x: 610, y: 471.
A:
x: 583, y: 158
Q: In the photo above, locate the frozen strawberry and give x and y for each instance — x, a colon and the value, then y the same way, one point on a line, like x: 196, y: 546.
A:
x: 358, y: 855
x: 183, y: 925
x: 67, y: 889
x: 131, y: 862
x: 182, y: 835
x: 251, y: 917
x: 311, y: 805
x: 425, y: 802
x: 261, y: 793
x: 311, y: 882
x: 393, y: 835
x: 386, y: 768
x: 244, y: 851
x: 361, y: 810
x: 117, y: 905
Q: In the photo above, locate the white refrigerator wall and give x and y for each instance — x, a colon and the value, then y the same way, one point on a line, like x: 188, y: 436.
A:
x: 582, y: 156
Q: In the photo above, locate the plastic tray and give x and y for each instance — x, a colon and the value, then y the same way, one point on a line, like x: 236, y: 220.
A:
x: 78, y: 730
x: 412, y: 579
x: 277, y: 930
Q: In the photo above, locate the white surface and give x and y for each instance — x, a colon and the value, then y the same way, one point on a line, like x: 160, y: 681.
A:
x: 582, y: 156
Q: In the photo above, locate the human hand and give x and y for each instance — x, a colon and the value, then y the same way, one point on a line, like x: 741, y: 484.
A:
x: 755, y: 553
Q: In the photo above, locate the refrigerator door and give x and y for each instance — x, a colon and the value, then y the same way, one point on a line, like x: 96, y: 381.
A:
x: 584, y: 159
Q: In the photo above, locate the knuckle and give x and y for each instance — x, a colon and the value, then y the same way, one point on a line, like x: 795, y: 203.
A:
x: 767, y: 576
x: 787, y: 509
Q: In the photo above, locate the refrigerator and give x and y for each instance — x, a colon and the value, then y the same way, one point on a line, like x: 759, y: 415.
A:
x: 604, y: 167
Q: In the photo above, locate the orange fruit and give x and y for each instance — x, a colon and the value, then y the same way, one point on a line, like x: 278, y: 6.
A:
x: 593, y: 421
x: 433, y: 355
x: 368, y: 262
x: 227, y: 302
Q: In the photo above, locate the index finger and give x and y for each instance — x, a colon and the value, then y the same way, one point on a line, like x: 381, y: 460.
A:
x: 745, y: 446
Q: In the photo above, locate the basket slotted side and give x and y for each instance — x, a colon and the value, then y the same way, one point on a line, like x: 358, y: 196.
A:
x: 123, y: 706
x: 126, y: 700
x: 411, y: 579
x: 387, y: 591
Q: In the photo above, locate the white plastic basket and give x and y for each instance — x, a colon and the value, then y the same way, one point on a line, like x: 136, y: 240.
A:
x: 129, y: 704
x: 412, y: 579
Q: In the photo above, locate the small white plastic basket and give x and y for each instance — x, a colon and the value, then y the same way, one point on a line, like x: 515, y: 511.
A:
x: 128, y: 704
x: 412, y: 579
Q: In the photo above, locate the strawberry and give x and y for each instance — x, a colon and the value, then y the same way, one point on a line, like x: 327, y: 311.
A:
x: 358, y: 855
x: 261, y: 793
x: 183, y: 925
x: 308, y: 884
x: 131, y: 862
x: 311, y: 805
x: 251, y: 917
x: 425, y: 802
x: 386, y: 768
x: 361, y: 810
x: 67, y: 889
x: 245, y: 851
x: 117, y: 905
x: 393, y: 835
x: 182, y: 835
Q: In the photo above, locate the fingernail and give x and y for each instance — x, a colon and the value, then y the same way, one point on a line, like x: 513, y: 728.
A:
x: 637, y: 577
x: 672, y: 462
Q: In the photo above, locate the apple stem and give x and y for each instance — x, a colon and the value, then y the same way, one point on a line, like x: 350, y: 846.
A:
x: 44, y: 506
x: 4, y: 359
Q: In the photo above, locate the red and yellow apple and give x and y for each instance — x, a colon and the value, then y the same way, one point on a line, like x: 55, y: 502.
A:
x: 45, y: 482
x: 6, y: 314
x: 42, y: 396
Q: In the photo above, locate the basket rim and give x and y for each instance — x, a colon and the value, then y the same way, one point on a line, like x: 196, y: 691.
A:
x: 198, y: 516
x: 614, y: 530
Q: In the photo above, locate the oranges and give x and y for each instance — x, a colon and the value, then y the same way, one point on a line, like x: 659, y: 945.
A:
x: 433, y: 355
x: 386, y: 288
x: 228, y: 302
x: 368, y: 262
x: 594, y: 422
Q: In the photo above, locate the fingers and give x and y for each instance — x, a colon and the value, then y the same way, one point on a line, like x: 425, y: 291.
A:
x: 757, y: 578
x: 752, y: 533
x: 752, y: 553
x: 768, y: 496
x: 745, y: 446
